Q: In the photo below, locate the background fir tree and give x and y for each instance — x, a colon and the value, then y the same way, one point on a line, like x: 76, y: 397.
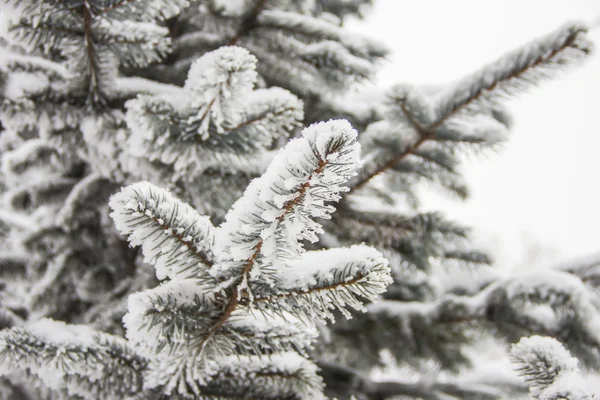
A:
x: 197, y: 97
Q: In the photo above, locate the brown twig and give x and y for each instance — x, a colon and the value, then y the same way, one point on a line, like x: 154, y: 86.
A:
x: 179, y: 237
x: 313, y: 290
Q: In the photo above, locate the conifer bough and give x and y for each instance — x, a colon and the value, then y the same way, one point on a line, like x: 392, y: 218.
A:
x: 227, y: 267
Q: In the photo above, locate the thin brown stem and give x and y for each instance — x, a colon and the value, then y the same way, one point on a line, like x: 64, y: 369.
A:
x: 410, y: 150
x: 425, y: 134
x: 179, y: 237
x: 313, y: 290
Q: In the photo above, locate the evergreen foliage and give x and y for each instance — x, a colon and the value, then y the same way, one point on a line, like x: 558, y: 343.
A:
x: 550, y: 370
x: 230, y: 274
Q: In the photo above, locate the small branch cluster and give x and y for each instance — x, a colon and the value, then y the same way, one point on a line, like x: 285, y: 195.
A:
x: 549, y: 368
x: 238, y: 302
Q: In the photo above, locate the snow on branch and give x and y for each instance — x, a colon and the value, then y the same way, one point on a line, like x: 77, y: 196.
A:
x: 585, y: 268
x: 36, y: 193
x: 133, y: 43
x: 217, y: 119
x: 145, y: 11
x: 89, y: 191
x: 320, y: 282
x: 72, y: 357
x: 516, y: 71
x: 549, y: 369
x: 254, y: 292
x: 167, y: 317
x: 312, y: 29
x: 95, y: 38
x: 33, y: 87
x: 540, y: 302
x: 26, y: 161
x: 547, y: 302
x: 421, y: 132
x: 416, y: 237
x: 265, y: 227
x: 176, y: 316
x: 174, y: 237
x: 299, y: 52
x: 8, y: 318
x: 13, y: 264
x: 280, y: 376
x: 344, y: 382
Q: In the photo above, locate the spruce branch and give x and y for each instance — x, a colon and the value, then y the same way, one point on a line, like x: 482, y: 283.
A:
x: 549, y: 369
x: 116, y: 4
x: 249, y: 21
x: 177, y: 316
x: 174, y: 237
x: 416, y: 238
x: 26, y: 161
x: 222, y: 122
x: 285, y: 375
x: 278, y: 208
x: 322, y: 281
x: 549, y: 303
x: 317, y: 53
x: 94, y: 37
x: 9, y: 318
x: 263, y: 290
x: 90, y: 49
x: 147, y: 11
x: 280, y: 376
x: 12, y: 265
x: 92, y: 190
x: 426, y: 121
x: 343, y: 381
x: 52, y: 190
x: 515, y: 72
x: 314, y: 30
x: 585, y: 268
x: 74, y: 357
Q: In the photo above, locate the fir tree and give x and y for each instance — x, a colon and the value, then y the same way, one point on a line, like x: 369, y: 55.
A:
x: 243, y: 260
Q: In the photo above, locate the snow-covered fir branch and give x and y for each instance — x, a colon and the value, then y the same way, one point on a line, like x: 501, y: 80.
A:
x: 244, y: 291
x: 427, y: 128
x: 228, y: 270
x: 549, y: 368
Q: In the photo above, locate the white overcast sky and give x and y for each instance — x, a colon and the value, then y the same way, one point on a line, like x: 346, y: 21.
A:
x: 541, y: 193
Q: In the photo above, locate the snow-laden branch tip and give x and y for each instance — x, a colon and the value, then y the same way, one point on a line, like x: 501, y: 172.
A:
x: 550, y: 370
x: 280, y: 209
x: 322, y: 281
x: 217, y: 121
x: 174, y: 237
x: 519, y: 70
